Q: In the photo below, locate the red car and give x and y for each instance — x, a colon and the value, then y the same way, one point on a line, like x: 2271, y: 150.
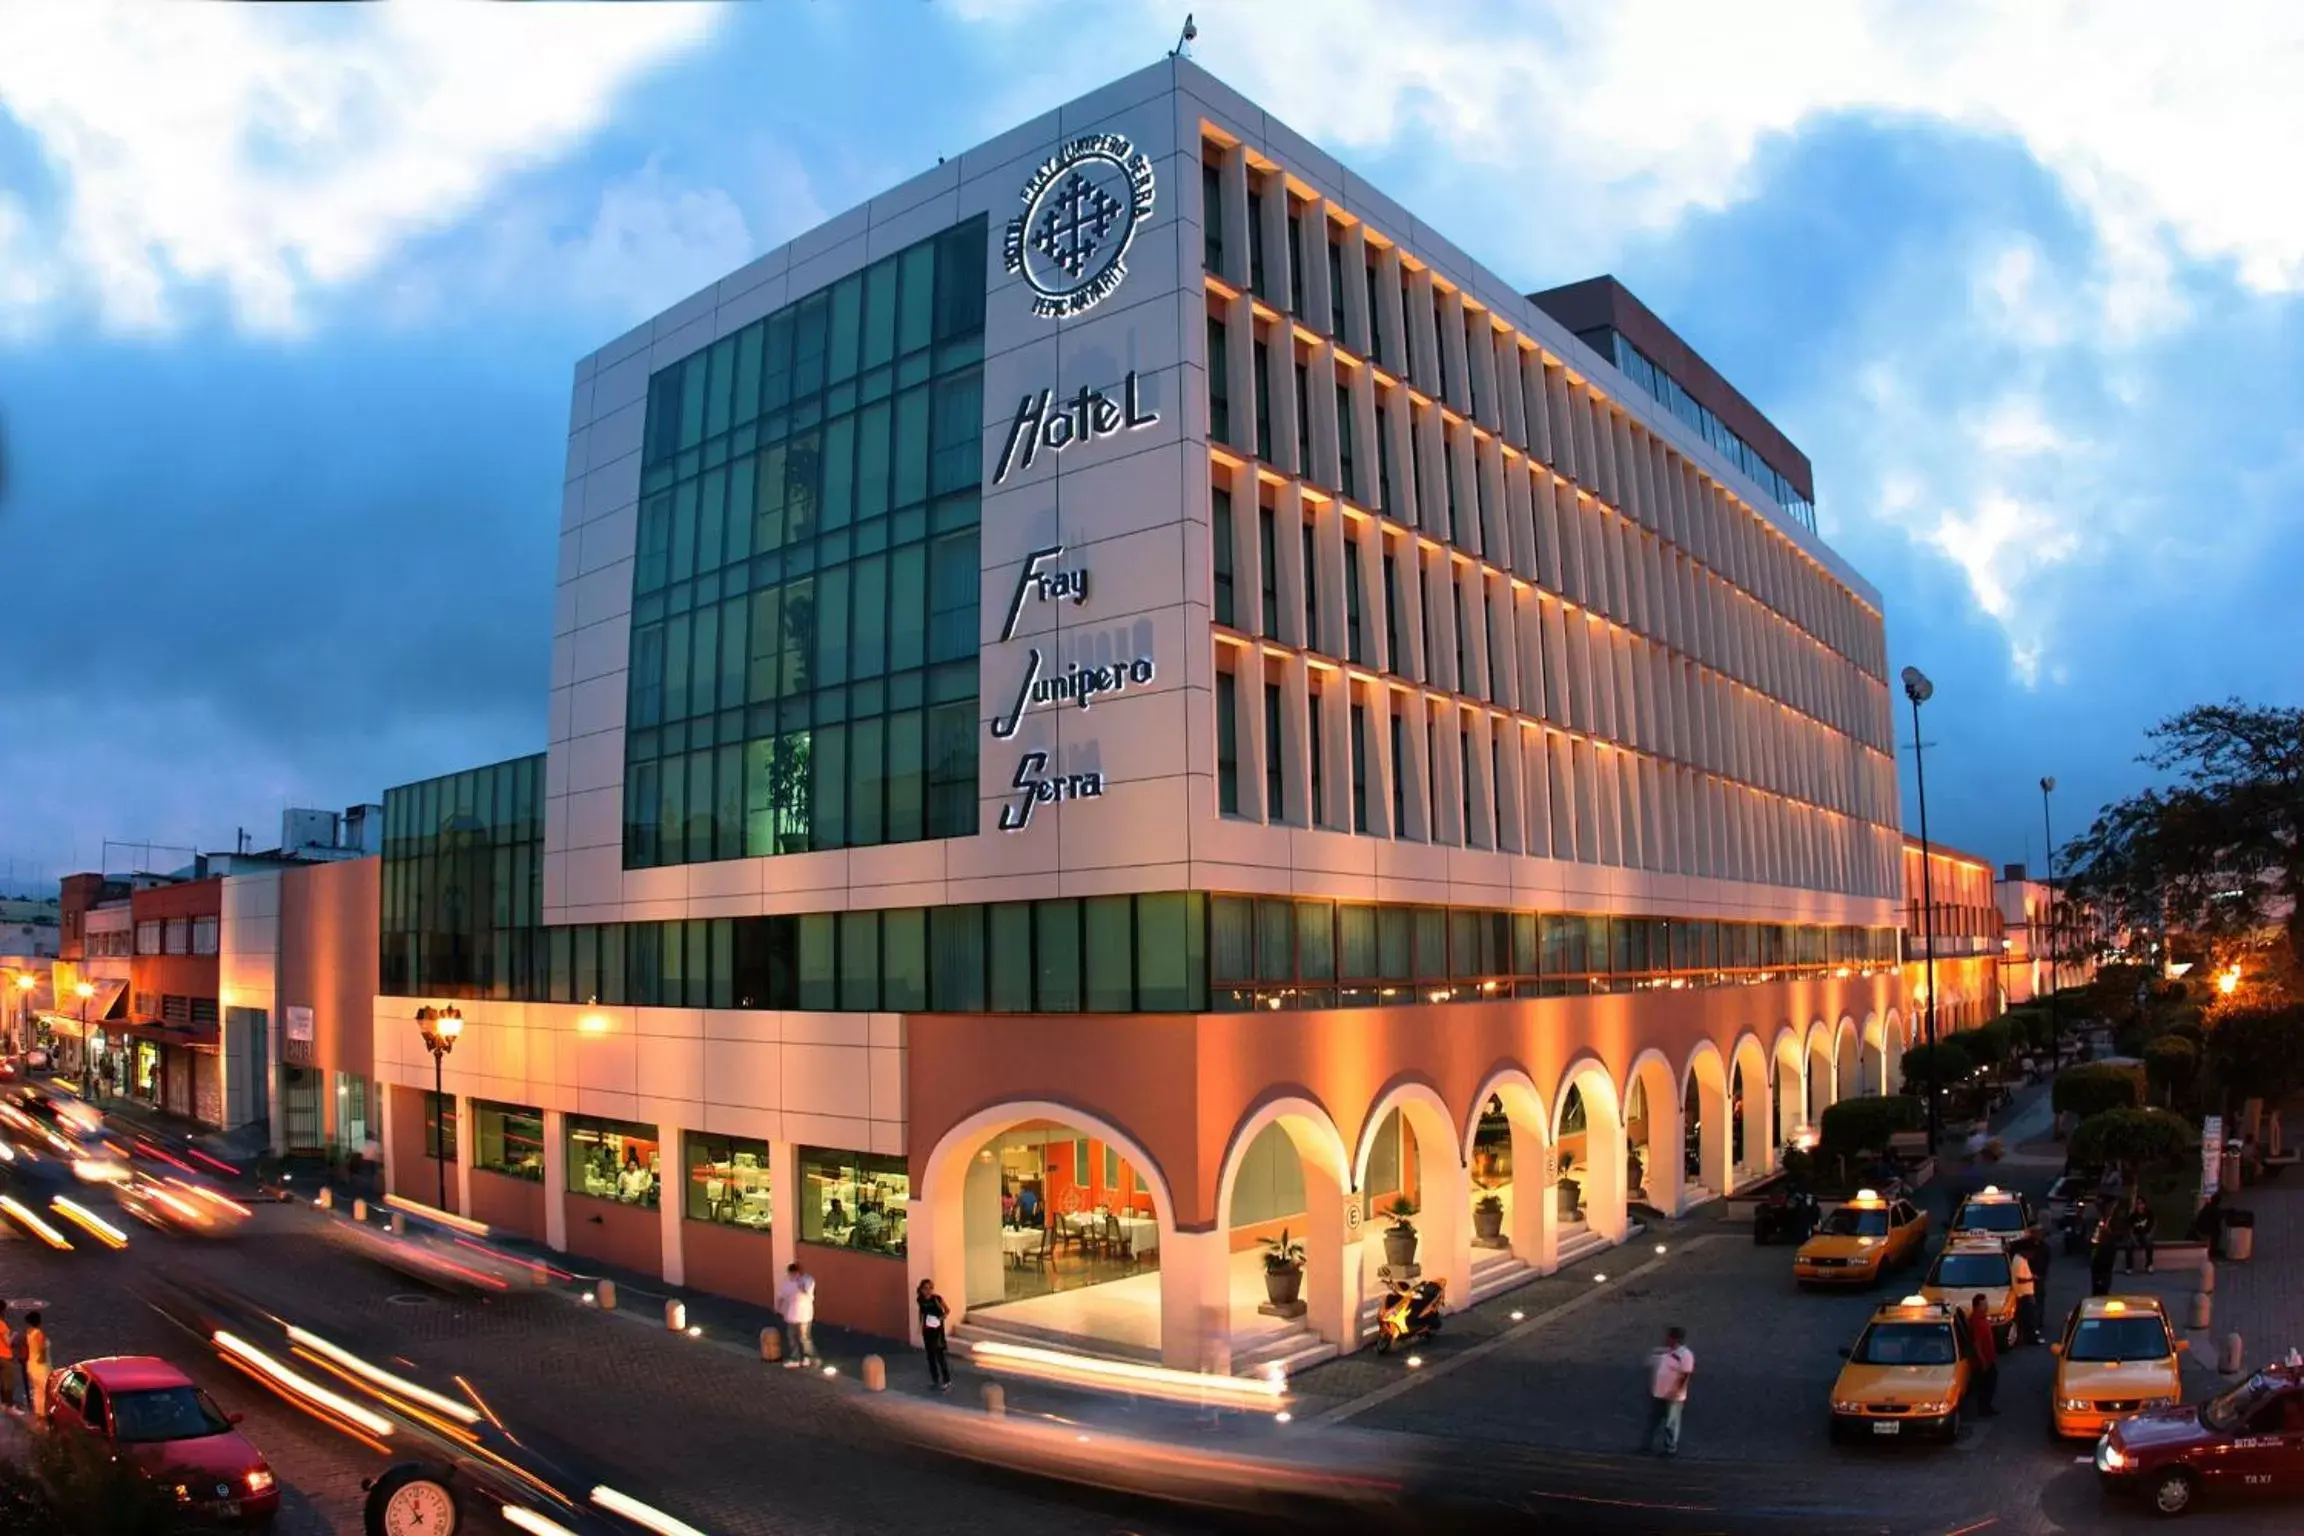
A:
x: 169, y: 1430
x: 2247, y: 1440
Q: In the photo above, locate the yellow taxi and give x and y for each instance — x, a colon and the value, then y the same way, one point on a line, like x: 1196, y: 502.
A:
x: 1856, y: 1243
x: 2118, y: 1357
x: 1907, y: 1374
x: 1995, y: 1213
x: 1975, y: 1266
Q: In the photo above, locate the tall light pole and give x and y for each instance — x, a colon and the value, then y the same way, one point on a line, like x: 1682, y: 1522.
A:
x: 441, y: 1026
x: 2048, y: 832
x: 84, y: 991
x: 1919, y: 690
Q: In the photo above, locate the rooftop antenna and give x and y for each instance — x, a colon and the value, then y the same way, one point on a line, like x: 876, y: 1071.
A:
x: 1183, y: 48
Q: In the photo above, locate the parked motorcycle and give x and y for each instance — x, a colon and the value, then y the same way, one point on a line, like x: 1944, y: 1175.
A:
x: 1411, y: 1312
x: 1785, y: 1216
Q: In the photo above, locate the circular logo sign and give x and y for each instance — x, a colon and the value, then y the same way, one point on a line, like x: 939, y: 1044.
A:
x: 1081, y: 209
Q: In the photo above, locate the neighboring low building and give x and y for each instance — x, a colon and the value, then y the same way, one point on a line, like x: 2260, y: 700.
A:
x: 1964, y: 929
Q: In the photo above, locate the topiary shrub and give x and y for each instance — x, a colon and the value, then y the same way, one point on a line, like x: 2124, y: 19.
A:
x: 1865, y: 1124
x: 1947, y: 1061
x: 2170, y: 1064
x: 2097, y: 1086
x: 1988, y: 1045
x: 2133, y: 1138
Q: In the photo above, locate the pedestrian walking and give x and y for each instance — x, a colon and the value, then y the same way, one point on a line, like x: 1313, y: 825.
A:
x: 34, y: 1350
x: 796, y: 1305
x: 2027, y: 1296
x: 8, y: 1366
x: 1668, y: 1371
x: 933, y: 1314
x: 2104, y: 1249
x: 2139, y: 1219
x: 1987, y: 1351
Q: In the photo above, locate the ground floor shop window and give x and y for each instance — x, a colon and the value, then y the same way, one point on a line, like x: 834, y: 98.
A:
x: 853, y: 1200
x: 508, y: 1139
x: 614, y: 1160
x: 439, y: 1123
x: 728, y: 1181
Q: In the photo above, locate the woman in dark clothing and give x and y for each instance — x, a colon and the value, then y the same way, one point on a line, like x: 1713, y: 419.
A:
x: 933, y: 1314
x: 2208, y: 1222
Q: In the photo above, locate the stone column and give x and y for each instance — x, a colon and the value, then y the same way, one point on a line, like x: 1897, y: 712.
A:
x: 464, y: 1145
x: 784, y: 1203
x: 1196, y: 1301
x: 672, y: 1203
x: 556, y: 1180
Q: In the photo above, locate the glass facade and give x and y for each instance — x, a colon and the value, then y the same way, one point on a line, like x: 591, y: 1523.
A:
x: 728, y: 1181
x: 803, y: 655
x: 1642, y: 370
x: 853, y: 1200
x: 508, y: 1139
x: 614, y: 1160
x: 463, y: 882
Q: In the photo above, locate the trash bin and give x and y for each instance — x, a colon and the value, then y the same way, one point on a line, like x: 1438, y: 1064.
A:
x: 2239, y: 1235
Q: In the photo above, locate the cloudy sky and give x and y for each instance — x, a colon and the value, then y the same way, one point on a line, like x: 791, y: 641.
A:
x: 289, y: 300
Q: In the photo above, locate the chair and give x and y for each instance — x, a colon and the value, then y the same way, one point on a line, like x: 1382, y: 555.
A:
x: 1116, y: 1244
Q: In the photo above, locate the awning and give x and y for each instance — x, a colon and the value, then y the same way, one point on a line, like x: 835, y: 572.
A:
x: 65, y: 1019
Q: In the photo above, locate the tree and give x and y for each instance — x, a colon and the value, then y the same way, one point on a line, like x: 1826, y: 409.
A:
x: 1944, y: 1063
x: 2221, y: 849
x: 1987, y: 1044
x: 1865, y: 1124
x: 2133, y: 1138
x: 2257, y: 1052
x: 2095, y: 1087
x: 2170, y: 1064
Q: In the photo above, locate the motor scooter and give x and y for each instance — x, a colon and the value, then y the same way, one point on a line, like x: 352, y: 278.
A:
x: 1411, y: 1312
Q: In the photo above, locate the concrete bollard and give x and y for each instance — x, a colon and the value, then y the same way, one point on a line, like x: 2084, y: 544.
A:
x: 875, y: 1374
x: 2239, y: 1244
x: 771, y: 1344
x: 2208, y: 1275
x: 326, y: 1199
x: 676, y: 1315
x: 2201, y: 1305
x: 605, y: 1294
x: 360, y: 1210
x: 2228, y: 1358
x: 995, y: 1400
x: 399, y: 1225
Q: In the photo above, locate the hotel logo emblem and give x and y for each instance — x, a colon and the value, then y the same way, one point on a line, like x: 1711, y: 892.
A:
x: 1081, y: 209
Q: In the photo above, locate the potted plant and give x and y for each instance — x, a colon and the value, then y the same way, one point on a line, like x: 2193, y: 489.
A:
x: 1400, y: 1237
x: 1283, y: 1269
x: 1488, y: 1219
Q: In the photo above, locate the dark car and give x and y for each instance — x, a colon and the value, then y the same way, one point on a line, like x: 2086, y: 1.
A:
x: 2249, y: 1440
x: 153, y: 1417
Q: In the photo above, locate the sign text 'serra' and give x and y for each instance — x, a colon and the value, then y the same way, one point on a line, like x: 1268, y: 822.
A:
x: 1087, y: 416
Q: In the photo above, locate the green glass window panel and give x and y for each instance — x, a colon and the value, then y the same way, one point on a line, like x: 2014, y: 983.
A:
x: 1525, y: 961
x: 831, y: 628
x: 956, y: 958
x: 704, y: 664
x: 838, y: 506
x: 953, y: 580
x: 873, y: 465
x: 1275, y: 940
x: 672, y: 963
x: 747, y: 398
x: 1056, y: 953
x: 1356, y: 943
x: 1316, y: 940
x: 767, y: 647
x: 1110, y: 945
x: 1010, y: 963
x: 1170, y: 960
x: 803, y: 477
x: 647, y: 683
x: 683, y: 561
x: 672, y: 814
x: 866, y: 789
x: 734, y: 651
x: 728, y: 804
x: 738, y: 521
x: 908, y: 607
x: 859, y: 961
x: 915, y: 311
x: 560, y: 970
x: 720, y: 386
x: 1464, y: 945
x: 1232, y: 938
x: 904, y: 960
x: 879, y: 313
x: 692, y: 393
x: 711, y: 521
x: 868, y: 601
x: 960, y: 253
x: 1596, y: 950
x: 653, y: 554
x: 819, y: 984
x: 768, y: 493
x: 1431, y: 943
x: 828, y: 791
x: 760, y: 797
x: 662, y: 439
x: 699, y: 807
x: 956, y: 433
x: 911, y: 446
x: 847, y: 325
x: 641, y: 811
x: 951, y: 750
x: 907, y: 777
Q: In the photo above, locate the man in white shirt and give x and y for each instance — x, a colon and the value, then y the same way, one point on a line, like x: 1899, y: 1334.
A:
x: 796, y: 1305
x: 1668, y: 1371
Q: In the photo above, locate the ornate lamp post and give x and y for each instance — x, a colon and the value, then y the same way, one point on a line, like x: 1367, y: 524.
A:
x: 441, y: 1026
x: 1919, y: 690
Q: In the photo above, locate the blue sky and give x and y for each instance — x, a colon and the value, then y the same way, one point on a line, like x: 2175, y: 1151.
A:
x: 289, y: 301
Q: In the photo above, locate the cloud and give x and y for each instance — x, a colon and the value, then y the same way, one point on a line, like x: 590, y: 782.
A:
x: 265, y: 153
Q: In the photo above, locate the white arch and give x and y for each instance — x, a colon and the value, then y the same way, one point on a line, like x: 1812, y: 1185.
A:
x: 1872, y: 1054
x: 1789, y: 1055
x: 1822, y: 1087
x: 1661, y: 1152
x: 1759, y: 1146
x: 1444, y: 1216
x: 1602, y: 1176
x: 1420, y: 1105
x: 1530, y: 1210
x: 1332, y: 1263
x: 1847, y: 1064
x: 1521, y: 1098
x: 936, y: 1216
x: 1308, y: 1125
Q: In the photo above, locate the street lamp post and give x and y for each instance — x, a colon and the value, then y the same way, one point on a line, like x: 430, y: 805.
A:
x: 1919, y: 690
x: 84, y: 991
x: 441, y: 1026
x: 2048, y: 832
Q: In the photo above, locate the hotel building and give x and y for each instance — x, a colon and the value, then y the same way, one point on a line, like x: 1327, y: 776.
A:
x: 1125, y: 696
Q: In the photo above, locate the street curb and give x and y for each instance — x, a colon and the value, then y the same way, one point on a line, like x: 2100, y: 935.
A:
x: 1409, y: 1382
